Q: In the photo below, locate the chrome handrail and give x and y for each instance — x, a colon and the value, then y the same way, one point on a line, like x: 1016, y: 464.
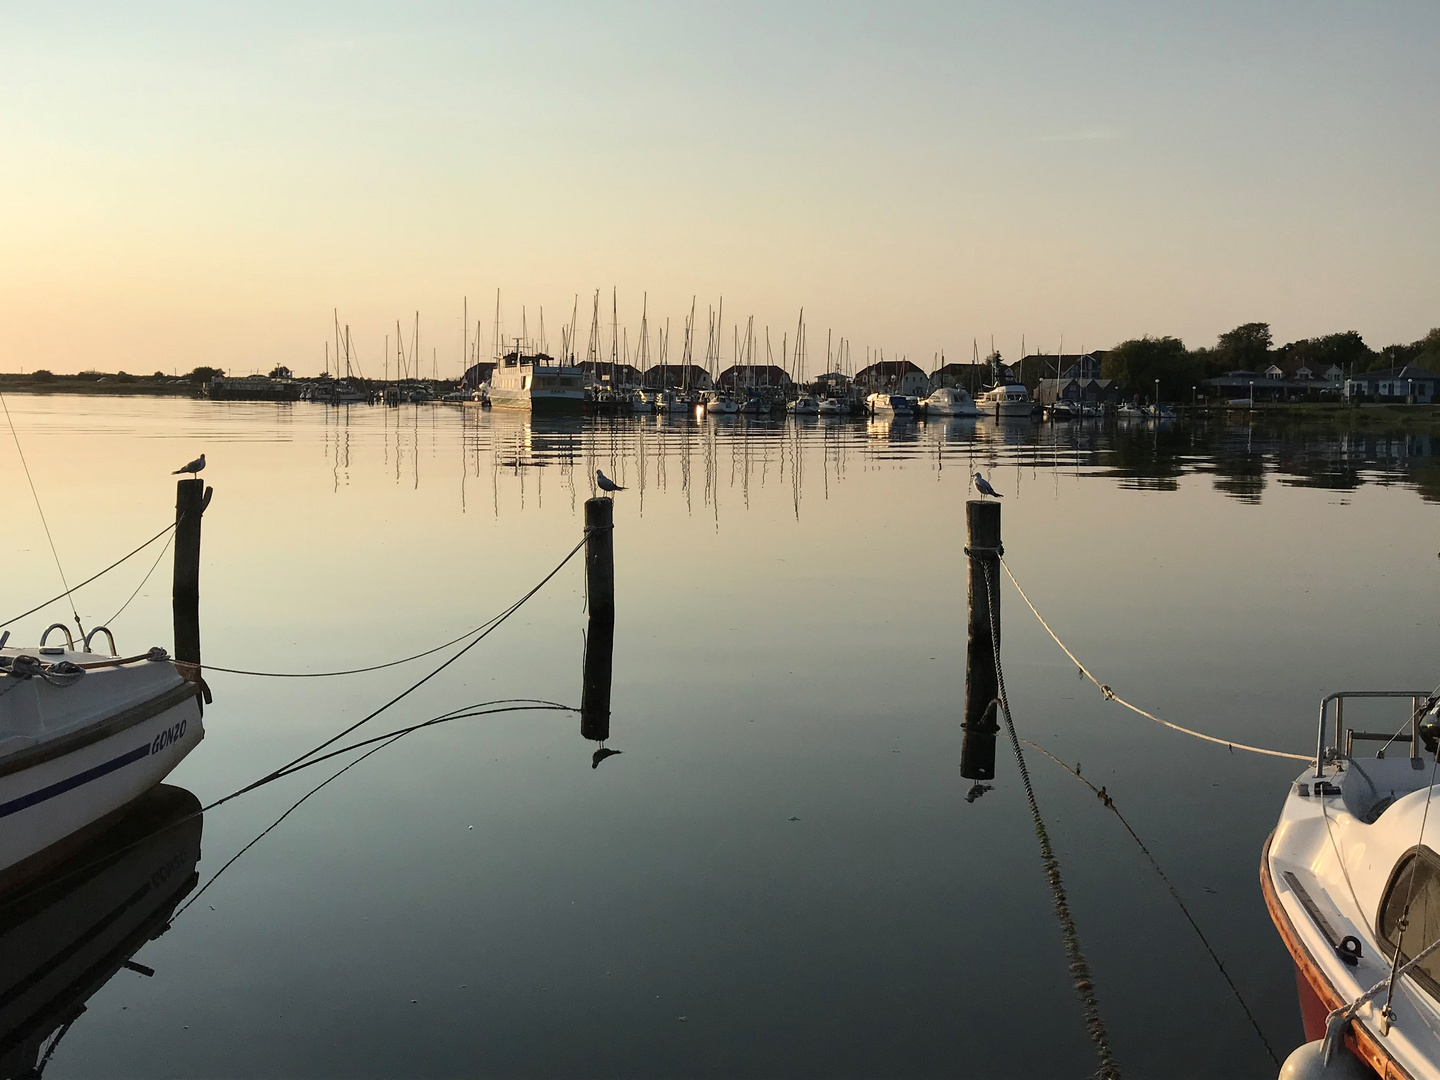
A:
x: 69, y: 639
x: 108, y: 637
x: 1419, y: 699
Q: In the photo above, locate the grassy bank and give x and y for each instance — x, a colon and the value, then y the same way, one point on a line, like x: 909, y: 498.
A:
x: 112, y: 385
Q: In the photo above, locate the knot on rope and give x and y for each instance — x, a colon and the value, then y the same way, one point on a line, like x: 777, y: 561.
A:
x: 23, y: 667
x: 1109, y: 694
x: 157, y: 654
x: 1105, y: 798
x: 63, y: 673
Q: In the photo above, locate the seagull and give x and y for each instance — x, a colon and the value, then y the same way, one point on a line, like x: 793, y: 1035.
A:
x: 601, y: 754
x: 983, y: 486
x: 192, y: 468
x: 603, y: 482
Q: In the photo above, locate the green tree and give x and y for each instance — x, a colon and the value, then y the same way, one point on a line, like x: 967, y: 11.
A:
x: 41, y: 375
x: 205, y: 374
x: 1137, y: 363
x: 1246, y: 348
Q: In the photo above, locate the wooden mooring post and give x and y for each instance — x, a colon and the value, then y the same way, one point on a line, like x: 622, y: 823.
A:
x: 600, y: 636
x: 191, y: 499
x: 977, y: 749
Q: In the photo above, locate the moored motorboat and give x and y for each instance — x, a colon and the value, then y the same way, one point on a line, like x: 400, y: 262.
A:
x: 81, y: 736
x: 1353, y: 887
x: 830, y: 406
x: 804, y: 405
x: 897, y: 404
x: 1011, y: 400
x: 950, y: 401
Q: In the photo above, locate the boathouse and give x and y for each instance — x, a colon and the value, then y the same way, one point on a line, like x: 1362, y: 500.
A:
x: 663, y: 376
x: 894, y: 377
x: 1078, y: 391
x: 759, y: 376
x: 1406, y: 384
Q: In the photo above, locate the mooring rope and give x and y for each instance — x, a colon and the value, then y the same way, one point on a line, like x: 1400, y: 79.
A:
x: 1109, y: 801
x: 487, y: 626
x: 1079, y: 966
x: 87, y: 581
x: 1110, y: 694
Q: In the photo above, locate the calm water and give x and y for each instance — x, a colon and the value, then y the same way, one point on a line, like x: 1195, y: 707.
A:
x: 779, y: 874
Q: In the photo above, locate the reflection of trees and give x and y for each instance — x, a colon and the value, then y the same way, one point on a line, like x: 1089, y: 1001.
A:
x: 650, y: 454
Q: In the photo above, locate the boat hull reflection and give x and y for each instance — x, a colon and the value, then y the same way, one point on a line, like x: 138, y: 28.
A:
x: 63, y: 935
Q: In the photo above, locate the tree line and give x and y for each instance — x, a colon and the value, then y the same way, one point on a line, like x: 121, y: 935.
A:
x: 1138, y: 362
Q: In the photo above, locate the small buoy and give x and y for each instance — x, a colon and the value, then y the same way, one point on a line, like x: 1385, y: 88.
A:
x: 1308, y: 1063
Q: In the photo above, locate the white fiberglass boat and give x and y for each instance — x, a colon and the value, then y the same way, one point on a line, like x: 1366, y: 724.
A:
x: 830, y: 407
x: 950, y: 401
x: 1009, y: 400
x: 81, y: 736
x: 721, y: 405
x: 1130, y: 411
x: 1352, y: 883
x: 898, y: 404
x: 805, y: 405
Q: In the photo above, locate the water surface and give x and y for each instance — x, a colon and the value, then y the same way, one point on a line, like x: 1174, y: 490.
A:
x: 779, y: 874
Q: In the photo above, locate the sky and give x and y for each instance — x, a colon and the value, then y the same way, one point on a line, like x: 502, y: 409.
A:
x: 187, y: 184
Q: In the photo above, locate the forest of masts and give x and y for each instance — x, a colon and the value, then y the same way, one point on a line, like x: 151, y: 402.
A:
x: 406, y: 362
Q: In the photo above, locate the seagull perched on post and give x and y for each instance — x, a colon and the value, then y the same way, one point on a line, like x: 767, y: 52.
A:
x: 604, y: 483
x: 192, y: 468
x: 983, y: 486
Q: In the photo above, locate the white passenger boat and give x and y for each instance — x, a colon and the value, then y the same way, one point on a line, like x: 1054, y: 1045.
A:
x: 1352, y: 883
x: 950, y: 401
x: 83, y: 735
x: 804, y: 405
x: 536, y: 383
x: 1009, y: 400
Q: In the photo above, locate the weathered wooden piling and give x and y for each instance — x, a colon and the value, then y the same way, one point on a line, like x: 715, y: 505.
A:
x: 191, y: 499
x: 600, y: 637
x: 977, y: 750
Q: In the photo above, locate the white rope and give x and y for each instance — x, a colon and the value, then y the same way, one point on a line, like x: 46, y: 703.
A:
x: 1110, y: 695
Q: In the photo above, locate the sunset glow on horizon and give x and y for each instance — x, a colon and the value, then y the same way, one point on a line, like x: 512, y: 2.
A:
x: 191, y: 186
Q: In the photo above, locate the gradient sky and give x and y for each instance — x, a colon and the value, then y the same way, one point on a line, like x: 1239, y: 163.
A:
x: 187, y: 184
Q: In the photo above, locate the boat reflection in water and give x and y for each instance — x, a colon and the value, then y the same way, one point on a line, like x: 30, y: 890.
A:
x: 65, y: 933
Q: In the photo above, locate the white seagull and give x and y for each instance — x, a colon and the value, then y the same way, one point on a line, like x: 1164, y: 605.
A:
x: 192, y: 467
x: 604, y: 483
x: 983, y: 486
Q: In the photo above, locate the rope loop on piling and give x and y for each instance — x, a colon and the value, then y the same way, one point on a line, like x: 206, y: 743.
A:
x: 998, y: 551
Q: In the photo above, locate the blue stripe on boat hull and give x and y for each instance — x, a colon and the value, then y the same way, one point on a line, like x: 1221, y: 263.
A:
x: 14, y: 806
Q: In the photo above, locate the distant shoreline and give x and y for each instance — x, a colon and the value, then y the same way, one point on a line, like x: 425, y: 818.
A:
x: 71, y: 384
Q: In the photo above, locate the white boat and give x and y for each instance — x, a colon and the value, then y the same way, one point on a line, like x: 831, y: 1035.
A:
x: 1161, y: 411
x: 1131, y: 411
x: 83, y: 735
x: 896, y: 404
x: 536, y: 383
x: 641, y: 402
x: 950, y: 401
x: 1353, y: 886
x: 1011, y: 399
x: 830, y: 406
x: 721, y: 405
x: 1091, y: 410
x: 1062, y: 411
x: 804, y: 405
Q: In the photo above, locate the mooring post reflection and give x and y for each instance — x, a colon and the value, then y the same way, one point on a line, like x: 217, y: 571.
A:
x: 600, y: 637
x: 67, y: 932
